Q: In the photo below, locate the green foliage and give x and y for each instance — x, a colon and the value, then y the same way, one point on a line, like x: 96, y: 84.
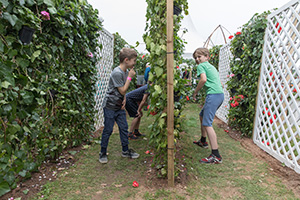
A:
x: 214, y: 56
x: 43, y: 108
x: 247, y: 50
x: 155, y: 39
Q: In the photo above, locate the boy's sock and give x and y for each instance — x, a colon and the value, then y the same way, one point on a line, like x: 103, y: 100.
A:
x: 136, y: 130
x: 125, y: 148
x: 103, y: 150
x: 216, y: 153
x: 203, y: 139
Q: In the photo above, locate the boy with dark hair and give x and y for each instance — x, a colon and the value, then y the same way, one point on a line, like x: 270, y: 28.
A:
x: 135, y: 100
x: 210, y: 80
x: 114, y: 104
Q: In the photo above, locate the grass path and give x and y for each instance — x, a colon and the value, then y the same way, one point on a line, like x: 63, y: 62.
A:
x: 240, y: 176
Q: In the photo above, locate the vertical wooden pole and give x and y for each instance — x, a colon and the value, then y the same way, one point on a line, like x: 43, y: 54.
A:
x: 170, y: 92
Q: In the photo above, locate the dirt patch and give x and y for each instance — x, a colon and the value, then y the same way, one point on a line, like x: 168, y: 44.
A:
x: 289, y: 177
x: 48, y: 171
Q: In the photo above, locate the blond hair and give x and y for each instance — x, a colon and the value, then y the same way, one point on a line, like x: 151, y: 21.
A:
x: 127, y: 53
x: 201, y: 51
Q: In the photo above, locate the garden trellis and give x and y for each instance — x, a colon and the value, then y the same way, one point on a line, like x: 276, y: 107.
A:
x: 277, y: 122
x: 104, y: 67
x: 224, y: 71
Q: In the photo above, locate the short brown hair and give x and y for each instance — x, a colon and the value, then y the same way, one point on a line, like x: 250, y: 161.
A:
x: 127, y: 53
x: 201, y: 51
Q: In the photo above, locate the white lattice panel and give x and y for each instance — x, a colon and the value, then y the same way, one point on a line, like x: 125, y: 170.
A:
x: 224, y: 71
x: 104, y: 67
x: 277, y: 121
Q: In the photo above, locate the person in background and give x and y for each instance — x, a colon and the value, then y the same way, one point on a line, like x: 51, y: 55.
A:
x: 147, y: 70
x: 210, y: 81
x: 135, y: 100
x: 114, y: 104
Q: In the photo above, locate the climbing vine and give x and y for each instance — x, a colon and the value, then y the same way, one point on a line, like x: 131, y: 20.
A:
x: 155, y: 39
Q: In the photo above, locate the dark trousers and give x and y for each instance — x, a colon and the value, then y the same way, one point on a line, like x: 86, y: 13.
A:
x: 110, y: 117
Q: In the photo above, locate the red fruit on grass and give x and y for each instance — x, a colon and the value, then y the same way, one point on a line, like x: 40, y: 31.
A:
x: 135, y: 184
x: 147, y: 152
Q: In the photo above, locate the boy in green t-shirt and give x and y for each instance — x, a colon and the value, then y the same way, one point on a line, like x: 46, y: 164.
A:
x: 210, y: 80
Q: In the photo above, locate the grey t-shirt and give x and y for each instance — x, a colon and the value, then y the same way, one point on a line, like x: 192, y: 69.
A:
x: 113, y: 99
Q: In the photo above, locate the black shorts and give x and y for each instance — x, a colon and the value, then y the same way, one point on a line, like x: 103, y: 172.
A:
x: 131, y: 108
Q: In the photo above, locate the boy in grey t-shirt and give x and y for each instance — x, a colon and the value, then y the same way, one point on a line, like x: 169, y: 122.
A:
x: 114, y: 104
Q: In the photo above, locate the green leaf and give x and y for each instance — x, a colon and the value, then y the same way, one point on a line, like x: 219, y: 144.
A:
x: 11, y: 18
x: 158, y: 71
x: 12, y: 129
x: 1, y: 46
x: 40, y: 101
x: 27, y: 97
x: 23, y: 173
x: 10, y: 177
x: 52, y: 10
x: 5, y: 84
x: 30, y: 2
x: 50, y: 3
x: 22, y: 2
x: 35, y: 55
x: 22, y: 62
x: 5, y: 4
x: 25, y: 191
x: 4, y: 188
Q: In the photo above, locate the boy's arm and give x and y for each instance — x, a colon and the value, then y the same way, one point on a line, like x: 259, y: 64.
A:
x: 125, y: 87
x: 201, y: 83
x: 143, y: 102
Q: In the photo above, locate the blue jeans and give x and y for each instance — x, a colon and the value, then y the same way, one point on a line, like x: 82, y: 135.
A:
x: 110, y: 117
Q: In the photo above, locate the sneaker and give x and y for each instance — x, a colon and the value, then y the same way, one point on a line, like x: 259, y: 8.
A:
x: 201, y: 144
x: 132, y: 137
x: 130, y: 154
x: 211, y: 159
x: 138, y: 134
x: 103, y: 158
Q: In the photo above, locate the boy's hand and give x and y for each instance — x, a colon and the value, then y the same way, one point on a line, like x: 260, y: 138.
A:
x: 124, y: 103
x: 194, y: 97
x: 131, y: 73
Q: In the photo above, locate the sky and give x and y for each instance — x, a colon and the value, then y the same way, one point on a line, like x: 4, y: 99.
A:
x: 127, y: 17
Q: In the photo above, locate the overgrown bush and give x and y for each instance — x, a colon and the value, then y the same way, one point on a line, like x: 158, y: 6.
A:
x: 47, y: 86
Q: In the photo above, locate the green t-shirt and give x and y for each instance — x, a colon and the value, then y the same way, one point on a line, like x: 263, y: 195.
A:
x: 213, y: 84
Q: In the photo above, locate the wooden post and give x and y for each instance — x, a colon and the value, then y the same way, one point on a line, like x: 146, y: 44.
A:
x: 170, y: 92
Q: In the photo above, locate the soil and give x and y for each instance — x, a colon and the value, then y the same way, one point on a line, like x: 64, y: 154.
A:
x: 49, y: 170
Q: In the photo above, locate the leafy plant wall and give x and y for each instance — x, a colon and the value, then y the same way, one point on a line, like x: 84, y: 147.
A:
x: 155, y: 39
x: 247, y: 50
x: 47, y: 86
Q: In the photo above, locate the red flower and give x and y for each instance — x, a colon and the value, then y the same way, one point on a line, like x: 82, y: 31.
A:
x: 263, y: 112
x: 271, y: 73
x: 277, y: 25
x: 238, y: 33
x: 148, y: 107
x: 135, y: 184
x: 266, y: 108
x: 269, y: 113
x: 294, y: 90
x: 187, y: 98
x: 275, y: 116
x: 268, y: 143
x: 143, y: 56
x: 177, y: 67
x: 226, y: 131
x: 271, y: 121
x: 230, y: 98
x: 147, y: 152
x: 230, y: 37
x: 279, y: 30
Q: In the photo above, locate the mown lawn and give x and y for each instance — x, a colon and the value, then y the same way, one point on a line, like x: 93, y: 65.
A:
x: 240, y: 176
